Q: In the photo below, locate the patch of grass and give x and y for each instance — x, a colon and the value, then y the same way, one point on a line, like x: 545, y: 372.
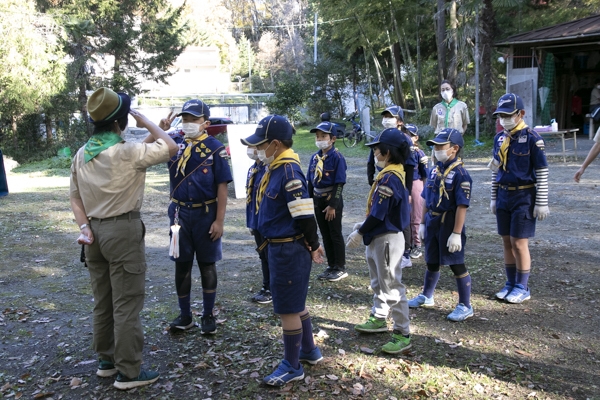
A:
x: 55, y: 166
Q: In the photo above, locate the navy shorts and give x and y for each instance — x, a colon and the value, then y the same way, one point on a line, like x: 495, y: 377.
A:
x: 514, y: 213
x: 289, y: 267
x: 194, y: 238
x: 436, y: 240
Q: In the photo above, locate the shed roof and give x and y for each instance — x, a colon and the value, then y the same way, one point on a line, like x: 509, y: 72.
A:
x: 578, y: 31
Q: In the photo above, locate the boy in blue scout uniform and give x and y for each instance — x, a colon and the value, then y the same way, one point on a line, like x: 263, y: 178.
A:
x: 519, y: 193
x: 388, y: 213
x: 326, y: 178
x: 199, y: 174
x: 447, y: 195
x: 393, y: 117
x: 255, y: 174
x: 286, y: 221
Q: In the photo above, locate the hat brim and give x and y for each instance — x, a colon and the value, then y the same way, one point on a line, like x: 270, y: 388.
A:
x: 504, y: 111
x: 432, y: 142
x: 253, y: 140
x: 192, y: 113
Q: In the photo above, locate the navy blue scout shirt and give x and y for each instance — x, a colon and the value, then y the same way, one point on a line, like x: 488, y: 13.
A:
x: 420, y: 160
x: 201, y: 185
x: 334, y: 170
x: 525, y: 155
x: 457, y: 184
x: 390, y: 206
x: 258, y: 170
x: 286, y: 191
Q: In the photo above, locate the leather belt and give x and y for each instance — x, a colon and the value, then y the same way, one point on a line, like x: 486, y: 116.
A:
x: 194, y: 205
x: 129, y: 216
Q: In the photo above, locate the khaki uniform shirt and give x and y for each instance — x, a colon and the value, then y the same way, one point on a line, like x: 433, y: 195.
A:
x: 112, y: 183
x: 457, y: 117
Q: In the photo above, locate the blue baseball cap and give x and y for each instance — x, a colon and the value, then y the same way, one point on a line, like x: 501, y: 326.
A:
x: 447, y: 135
x: 196, y: 108
x: 269, y: 128
x: 396, y: 111
x: 324, y: 126
x: 509, y: 103
x: 391, y: 136
x: 412, y: 129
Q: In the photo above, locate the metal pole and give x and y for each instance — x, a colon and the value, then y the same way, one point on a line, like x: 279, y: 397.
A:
x: 315, y: 47
x: 249, y: 66
x: 477, y: 74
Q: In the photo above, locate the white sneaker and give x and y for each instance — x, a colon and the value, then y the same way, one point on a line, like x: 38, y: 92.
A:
x: 405, y: 262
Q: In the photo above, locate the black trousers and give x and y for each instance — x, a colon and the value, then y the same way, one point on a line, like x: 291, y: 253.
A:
x: 331, y: 231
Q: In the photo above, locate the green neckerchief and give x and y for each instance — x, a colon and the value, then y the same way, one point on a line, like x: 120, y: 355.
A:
x: 100, y: 142
x: 448, y: 107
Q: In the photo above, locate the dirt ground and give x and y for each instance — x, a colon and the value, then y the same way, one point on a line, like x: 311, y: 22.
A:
x: 548, y: 347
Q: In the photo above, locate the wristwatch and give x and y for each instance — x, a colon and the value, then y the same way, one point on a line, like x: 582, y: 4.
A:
x: 83, y: 226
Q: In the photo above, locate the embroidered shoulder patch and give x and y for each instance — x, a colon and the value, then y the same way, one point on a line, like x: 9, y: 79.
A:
x: 385, y: 191
x: 292, y: 185
x: 465, y: 186
x: 540, y: 144
x: 223, y: 153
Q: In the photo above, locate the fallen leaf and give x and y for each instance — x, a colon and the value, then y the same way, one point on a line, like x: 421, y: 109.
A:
x: 523, y: 353
x: 478, y: 388
x: 168, y: 386
x: 532, y: 394
x: 254, y: 375
x: 42, y: 395
x: 366, y: 350
x: 342, y: 351
x: 75, y: 382
x: 555, y: 336
x: 332, y: 377
x: 5, y: 387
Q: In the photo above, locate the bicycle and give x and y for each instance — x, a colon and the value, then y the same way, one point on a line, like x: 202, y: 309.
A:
x: 357, y: 134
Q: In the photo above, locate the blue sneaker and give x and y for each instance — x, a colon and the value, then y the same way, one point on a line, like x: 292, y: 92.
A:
x: 518, y: 295
x: 421, y: 301
x: 312, y: 357
x: 460, y: 313
x: 283, y: 374
x: 508, y: 287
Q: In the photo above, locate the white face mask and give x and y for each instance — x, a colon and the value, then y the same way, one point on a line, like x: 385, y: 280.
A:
x: 191, y: 129
x: 380, y: 164
x: 441, y: 155
x: 447, y: 95
x: 322, y: 144
x: 262, y: 155
x: 389, y: 123
x: 251, y: 153
x: 508, y: 123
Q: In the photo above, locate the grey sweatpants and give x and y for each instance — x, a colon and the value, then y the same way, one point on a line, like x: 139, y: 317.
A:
x: 383, y: 258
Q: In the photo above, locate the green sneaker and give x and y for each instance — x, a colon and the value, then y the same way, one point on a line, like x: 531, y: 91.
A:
x: 398, y: 344
x: 372, y: 325
x: 106, y: 369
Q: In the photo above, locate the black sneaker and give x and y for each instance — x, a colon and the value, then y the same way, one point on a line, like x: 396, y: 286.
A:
x: 323, y: 275
x: 182, y: 322
x: 263, y: 297
x: 144, y: 378
x: 209, y: 325
x: 336, y: 275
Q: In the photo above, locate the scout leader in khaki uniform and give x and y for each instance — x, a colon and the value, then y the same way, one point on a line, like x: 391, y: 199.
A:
x: 107, y: 188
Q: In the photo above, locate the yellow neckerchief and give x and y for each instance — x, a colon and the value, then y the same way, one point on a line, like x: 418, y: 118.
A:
x: 443, y: 178
x: 503, y: 152
x: 187, y: 153
x: 319, y: 166
x: 396, y: 169
x: 255, y: 168
x: 286, y: 157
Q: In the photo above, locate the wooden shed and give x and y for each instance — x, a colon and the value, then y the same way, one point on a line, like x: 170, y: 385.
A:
x: 554, y: 69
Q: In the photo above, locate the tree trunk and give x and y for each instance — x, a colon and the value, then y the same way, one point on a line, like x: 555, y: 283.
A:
x: 48, y: 123
x: 488, y: 28
x: 411, y: 72
x: 453, y: 67
x: 395, y: 70
x: 13, y: 125
x: 440, y: 36
x: 397, y: 53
